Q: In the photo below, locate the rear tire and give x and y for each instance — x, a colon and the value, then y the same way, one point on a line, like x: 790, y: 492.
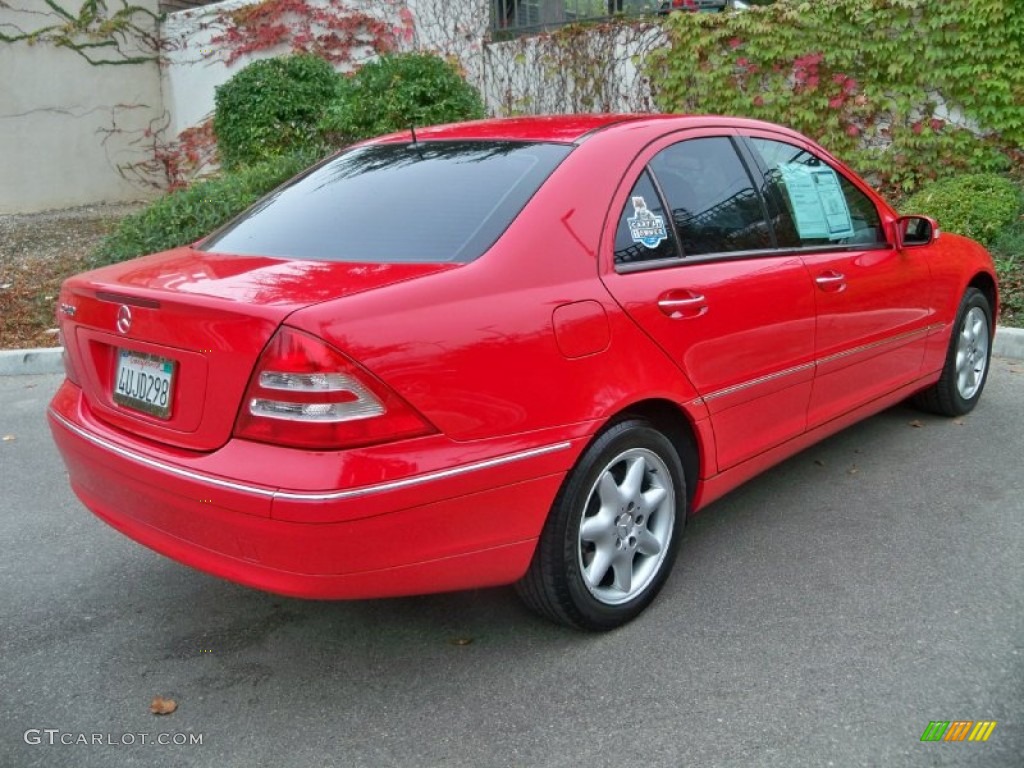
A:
x: 967, y: 361
x: 613, y: 532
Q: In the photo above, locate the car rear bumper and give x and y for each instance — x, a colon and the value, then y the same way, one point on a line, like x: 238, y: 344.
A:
x: 470, y: 524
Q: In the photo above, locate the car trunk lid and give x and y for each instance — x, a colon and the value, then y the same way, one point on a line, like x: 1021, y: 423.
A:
x: 193, y: 324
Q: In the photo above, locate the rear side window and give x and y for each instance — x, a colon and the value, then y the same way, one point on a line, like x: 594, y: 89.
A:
x: 425, y: 202
x: 644, y: 233
x: 813, y: 204
x: 714, y: 204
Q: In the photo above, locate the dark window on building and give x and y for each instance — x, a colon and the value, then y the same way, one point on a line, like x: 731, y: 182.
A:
x: 530, y: 16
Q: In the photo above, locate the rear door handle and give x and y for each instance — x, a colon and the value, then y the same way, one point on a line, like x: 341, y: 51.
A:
x: 679, y: 304
x: 831, y: 281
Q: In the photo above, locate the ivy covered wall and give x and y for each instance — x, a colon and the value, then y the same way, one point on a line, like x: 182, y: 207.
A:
x: 905, y: 90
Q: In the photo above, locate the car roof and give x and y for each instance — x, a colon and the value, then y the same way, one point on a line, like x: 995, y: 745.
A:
x: 566, y: 129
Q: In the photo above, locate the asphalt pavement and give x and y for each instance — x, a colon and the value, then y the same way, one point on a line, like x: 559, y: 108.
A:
x: 822, y: 615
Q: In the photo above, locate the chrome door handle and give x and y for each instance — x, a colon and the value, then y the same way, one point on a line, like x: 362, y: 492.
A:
x: 831, y: 281
x: 680, y: 303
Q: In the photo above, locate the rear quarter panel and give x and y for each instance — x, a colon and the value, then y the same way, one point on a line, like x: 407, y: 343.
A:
x: 474, y: 349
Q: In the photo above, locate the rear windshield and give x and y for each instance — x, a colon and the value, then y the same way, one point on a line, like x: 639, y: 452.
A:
x: 424, y: 202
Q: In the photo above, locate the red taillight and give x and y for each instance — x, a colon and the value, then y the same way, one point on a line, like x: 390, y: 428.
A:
x: 69, y: 368
x: 66, y: 308
x: 306, y: 394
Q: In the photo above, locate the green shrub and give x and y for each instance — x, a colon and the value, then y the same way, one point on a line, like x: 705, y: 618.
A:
x: 1008, y: 250
x: 990, y: 209
x: 1009, y: 244
x: 1011, y: 291
x: 272, y: 107
x: 398, y: 91
x: 979, y: 205
x: 184, y: 216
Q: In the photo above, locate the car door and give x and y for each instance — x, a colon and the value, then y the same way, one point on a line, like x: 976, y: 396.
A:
x: 700, y: 274
x: 872, y: 299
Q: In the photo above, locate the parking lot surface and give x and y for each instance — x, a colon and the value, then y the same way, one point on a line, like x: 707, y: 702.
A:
x: 822, y: 615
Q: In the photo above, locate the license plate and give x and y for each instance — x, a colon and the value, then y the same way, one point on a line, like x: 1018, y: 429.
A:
x: 144, y: 382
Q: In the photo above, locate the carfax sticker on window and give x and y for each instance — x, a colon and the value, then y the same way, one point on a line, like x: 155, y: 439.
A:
x: 645, y: 227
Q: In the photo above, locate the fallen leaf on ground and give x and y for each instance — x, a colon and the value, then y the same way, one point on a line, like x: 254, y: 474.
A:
x: 162, y: 706
x: 819, y: 462
x: 917, y: 423
x: 461, y: 640
x: 854, y: 470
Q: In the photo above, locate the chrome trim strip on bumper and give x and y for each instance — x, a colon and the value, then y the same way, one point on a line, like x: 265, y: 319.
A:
x: 418, y: 479
x: 305, y: 495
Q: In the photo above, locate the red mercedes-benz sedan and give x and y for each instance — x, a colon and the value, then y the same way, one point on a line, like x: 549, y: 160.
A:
x: 511, y: 351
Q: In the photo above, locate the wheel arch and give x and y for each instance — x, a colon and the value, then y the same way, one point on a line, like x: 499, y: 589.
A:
x: 985, y: 283
x: 675, y: 424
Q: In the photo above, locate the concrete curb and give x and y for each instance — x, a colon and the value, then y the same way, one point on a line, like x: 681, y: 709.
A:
x: 14, y: 362
x: 1009, y: 343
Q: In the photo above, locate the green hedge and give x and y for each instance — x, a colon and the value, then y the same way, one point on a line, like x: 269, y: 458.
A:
x: 185, y: 216
x: 399, y: 91
x: 979, y: 205
x: 272, y: 107
x: 1008, y: 250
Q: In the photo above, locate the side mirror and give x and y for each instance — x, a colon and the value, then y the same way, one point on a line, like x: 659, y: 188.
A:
x: 916, y: 230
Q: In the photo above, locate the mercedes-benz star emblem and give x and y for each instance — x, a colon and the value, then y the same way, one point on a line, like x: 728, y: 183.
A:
x: 124, y: 319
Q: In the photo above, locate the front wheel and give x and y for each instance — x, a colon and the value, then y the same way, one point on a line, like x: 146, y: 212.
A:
x: 613, y: 532
x: 966, y: 368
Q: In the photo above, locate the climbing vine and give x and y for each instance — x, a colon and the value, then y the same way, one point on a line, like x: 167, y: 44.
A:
x: 576, y: 68
x: 167, y: 164
x: 334, y: 31
x: 905, y: 90
x: 98, y: 32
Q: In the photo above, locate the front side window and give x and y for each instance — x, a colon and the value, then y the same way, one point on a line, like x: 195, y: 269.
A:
x: 714, y: 204
x: 424, y: 202
x: 812, y: 203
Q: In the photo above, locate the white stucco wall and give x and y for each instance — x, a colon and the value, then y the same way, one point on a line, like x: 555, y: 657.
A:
x: 193, y: 69
x: 54, y: 106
